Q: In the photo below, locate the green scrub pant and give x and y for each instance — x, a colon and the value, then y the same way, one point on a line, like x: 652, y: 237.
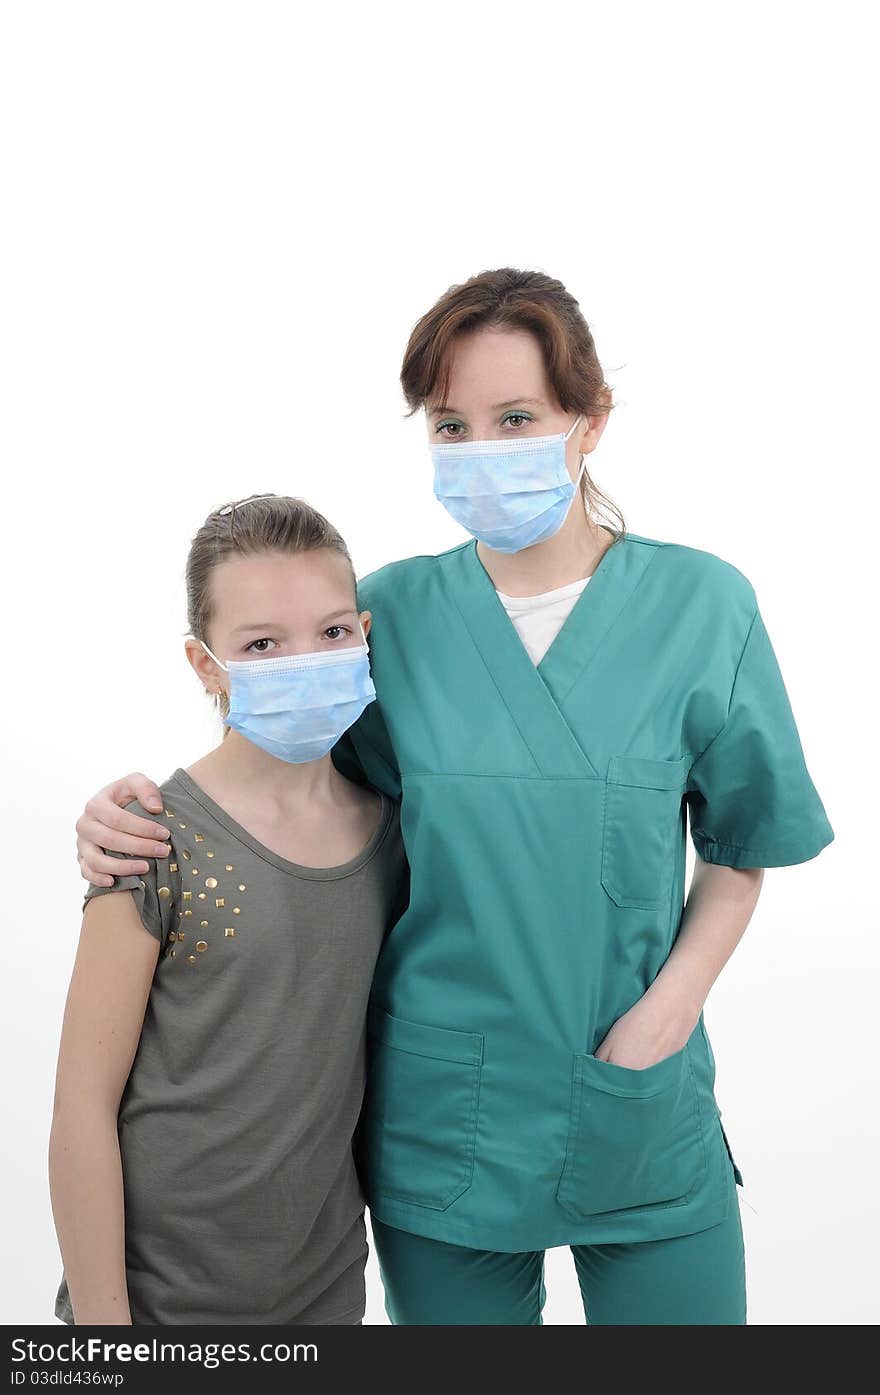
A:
x: 689, y: 1280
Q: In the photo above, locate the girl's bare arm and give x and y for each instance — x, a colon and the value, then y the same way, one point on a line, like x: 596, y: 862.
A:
x: 103, y: 1017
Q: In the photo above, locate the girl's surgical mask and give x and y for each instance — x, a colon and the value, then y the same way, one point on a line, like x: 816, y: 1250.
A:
x: 297, y: 706
x: 509, y: 494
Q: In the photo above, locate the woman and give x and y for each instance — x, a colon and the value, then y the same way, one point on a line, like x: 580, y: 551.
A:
x: 555, y: 696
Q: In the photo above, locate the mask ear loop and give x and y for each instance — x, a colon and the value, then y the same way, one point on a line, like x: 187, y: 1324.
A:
x: 217, y: 694
x: 568, y: 434
x: 570, y: 430
x: 217, y: 661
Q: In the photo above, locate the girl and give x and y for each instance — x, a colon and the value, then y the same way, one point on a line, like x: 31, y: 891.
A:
x: 558, y: 696
x: 212, y: 1058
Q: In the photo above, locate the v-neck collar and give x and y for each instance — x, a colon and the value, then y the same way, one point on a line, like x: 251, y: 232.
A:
x: 535, y: 697
x: 592, y: 615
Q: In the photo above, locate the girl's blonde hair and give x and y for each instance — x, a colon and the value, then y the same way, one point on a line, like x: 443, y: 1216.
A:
x: 260, y: 523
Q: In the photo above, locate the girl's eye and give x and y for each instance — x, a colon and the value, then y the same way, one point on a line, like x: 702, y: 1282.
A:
x: 516, y: 419
x: 336, y: 631
x: 450, y: 429
x: 255, y: 643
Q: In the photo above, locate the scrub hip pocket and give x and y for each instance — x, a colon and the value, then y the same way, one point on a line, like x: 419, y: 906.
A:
x: 420, y: 1112
x: 641, y: 820
x: 635, y: 1136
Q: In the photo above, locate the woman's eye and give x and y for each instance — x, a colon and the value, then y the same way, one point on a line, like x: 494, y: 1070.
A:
x: 516, y: 419
x: 450, y: 429
x: 336, y: 632
x: 256, y: 643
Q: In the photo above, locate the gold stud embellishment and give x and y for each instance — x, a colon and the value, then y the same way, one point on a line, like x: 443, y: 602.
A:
x: 199, y: 837
x: 173, y: 952
x: 172, y: 867
x: 180, y: 935
x: 229, y: 932
x: 242, y: 887
x: 172, y: 935
x: 195, y: 871
x: 229, y: 866
x: 169, y: 814
x: 204, y: 924
x: 187, y: 896
x: 236, y: 910
x: 164, y: 892
x: 220, y: 902
x: 191, y: 958
x: 187, y: 854
x: 187, y: 913
x: 201, y: 946
x: 183, y: 825
x: 203, y: 895
x: 209, y: 854
x: 211, y: 882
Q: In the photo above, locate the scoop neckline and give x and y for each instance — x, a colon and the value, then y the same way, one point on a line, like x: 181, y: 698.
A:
x: 293, y: 869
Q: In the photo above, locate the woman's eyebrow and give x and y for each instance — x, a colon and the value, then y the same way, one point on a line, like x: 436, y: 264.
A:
x: 496, y: 407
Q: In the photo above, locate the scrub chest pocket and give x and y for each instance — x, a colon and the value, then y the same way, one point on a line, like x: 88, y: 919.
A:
x: 641, y: 822
x: 635, y: 1136
x: 421, y: 1109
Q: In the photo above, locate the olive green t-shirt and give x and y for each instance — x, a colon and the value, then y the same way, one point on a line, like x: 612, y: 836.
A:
x: 242, y: 1204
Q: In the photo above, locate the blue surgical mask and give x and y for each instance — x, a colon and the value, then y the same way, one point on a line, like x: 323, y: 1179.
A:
x: 297, y: 706
x: 510, y: 494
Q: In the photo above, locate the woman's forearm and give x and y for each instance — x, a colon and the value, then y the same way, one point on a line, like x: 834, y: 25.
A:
x: 719, y: 907
x: 85, y: 1180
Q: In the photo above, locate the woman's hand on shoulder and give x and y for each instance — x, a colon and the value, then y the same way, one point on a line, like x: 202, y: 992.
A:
x: 106, y: 823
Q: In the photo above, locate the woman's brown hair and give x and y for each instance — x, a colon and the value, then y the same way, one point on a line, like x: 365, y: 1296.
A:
x: 260, y: 523
x: 526, y: 300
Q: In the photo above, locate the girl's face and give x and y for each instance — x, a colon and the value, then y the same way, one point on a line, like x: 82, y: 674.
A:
x: 277, y: 603
x: 498, y: 387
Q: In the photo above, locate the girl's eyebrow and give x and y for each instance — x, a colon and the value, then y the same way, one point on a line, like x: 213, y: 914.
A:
x: 276, y: 625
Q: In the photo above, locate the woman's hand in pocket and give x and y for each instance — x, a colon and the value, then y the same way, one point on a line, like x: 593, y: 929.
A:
x: 653, y: 1029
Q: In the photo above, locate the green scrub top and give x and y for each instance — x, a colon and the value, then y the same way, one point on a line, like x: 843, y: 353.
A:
x: 544, y: 814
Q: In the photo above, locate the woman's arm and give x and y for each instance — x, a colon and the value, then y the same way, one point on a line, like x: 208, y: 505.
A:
x: 104, y: 823
x: 103, y: 1017
x: 719, y: 907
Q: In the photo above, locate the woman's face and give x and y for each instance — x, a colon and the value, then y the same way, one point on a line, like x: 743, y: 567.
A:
x: 277, y: 603
x: 498, y: 387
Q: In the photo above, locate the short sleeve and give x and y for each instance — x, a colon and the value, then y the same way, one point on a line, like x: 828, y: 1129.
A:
x: 365, y: 752
x: 751, y: 799
x: 152, y: 891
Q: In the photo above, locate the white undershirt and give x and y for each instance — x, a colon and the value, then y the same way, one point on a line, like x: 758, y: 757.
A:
x: 538, y: 619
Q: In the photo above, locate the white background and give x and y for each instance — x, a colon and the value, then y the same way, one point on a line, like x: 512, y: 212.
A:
x: 220, y: 223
